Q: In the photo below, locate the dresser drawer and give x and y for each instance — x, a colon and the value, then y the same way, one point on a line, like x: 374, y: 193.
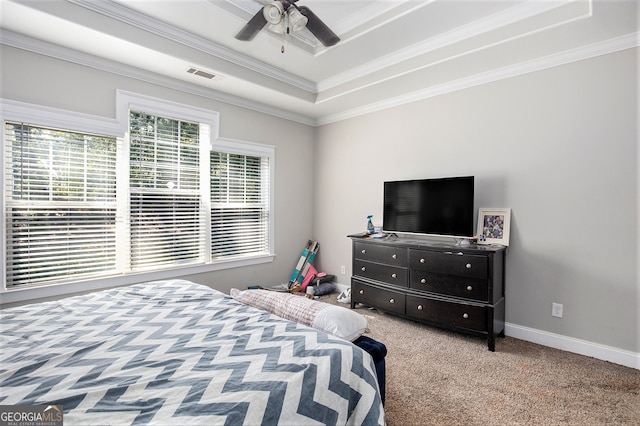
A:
x: 389, y: 255
x: 449, y: 263
x: 386, y: 300
x: 451, y: 314
x: 376, y: 271
x: 460, y: 288
x: 468, y: 288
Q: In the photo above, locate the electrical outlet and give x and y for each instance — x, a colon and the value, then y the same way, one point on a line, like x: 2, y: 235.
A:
x: 343, y: 269
x: 556, y: 310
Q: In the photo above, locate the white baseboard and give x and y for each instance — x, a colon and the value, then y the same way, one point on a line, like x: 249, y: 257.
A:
x: 569, y: 344
x: 341, y: 287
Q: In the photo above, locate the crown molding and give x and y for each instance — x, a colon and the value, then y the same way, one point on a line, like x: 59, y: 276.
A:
x: 138, y: 20
x: 586, y: 52
x: 617, y: 44
x: 460, y: 34
x: 41, y: 47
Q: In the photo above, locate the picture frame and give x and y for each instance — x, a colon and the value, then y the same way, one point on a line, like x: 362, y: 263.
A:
x: 494, y: 225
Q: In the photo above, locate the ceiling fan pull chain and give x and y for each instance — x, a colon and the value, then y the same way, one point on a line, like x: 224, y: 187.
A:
x: 283, y: 35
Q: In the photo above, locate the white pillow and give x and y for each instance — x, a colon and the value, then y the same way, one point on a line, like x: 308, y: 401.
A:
x: 341, y: 322
x: 335, y: 320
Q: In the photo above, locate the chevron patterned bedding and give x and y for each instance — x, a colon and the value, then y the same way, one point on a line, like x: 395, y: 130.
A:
x: 175, y: 352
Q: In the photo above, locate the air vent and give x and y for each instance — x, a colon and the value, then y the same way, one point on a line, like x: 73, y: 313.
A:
x: 205, y: 74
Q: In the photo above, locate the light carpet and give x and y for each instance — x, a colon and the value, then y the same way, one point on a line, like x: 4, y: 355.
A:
x: 438, y: 377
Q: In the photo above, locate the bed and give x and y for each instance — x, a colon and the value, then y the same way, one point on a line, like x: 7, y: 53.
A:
x: 176, y: 352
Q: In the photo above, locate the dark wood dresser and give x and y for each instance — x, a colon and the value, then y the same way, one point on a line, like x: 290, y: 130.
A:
x: 460, y: 288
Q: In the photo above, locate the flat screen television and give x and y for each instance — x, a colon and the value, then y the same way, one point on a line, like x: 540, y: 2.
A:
x: 441, y: 207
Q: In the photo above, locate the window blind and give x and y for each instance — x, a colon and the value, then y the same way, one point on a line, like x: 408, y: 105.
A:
x: 82, y: 206
x: 239, y: 205
x: 60, y: 204
x: 165, y: 220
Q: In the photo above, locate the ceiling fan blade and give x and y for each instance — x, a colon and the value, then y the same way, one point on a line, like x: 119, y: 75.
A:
x: 253, y: 27
x: 318, y: 28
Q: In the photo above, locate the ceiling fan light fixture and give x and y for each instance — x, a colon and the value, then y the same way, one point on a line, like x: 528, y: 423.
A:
x: 297, y: 20
x: 273, y: 12
x: 277, y: 28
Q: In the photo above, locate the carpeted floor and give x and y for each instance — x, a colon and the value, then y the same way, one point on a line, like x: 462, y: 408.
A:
x: 436, y: 377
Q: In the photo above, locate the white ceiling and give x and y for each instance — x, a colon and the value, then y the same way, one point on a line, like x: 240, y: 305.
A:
x: 391, y: 51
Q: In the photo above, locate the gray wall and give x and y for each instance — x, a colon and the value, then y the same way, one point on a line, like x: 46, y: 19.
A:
x: 559, y: 147
x: 41, y: 80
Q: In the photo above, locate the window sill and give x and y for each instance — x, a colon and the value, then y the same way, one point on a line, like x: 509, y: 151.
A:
x: 20, y: 296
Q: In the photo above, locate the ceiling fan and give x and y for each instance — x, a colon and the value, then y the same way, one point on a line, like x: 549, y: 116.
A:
x: 285, y: 16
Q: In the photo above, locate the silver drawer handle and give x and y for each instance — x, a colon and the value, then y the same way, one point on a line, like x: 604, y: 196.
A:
x: 392, y: 300
x: 363, y: 269
x: 364, y: 251
x: 469, y: 288
x: 361, y: 292
x: 468, y: 266
x: 420, y: 307
x: 394, y: 276
x: 422, y: 260
x: 465, y: 316
x: 423, y: 281
x: 394, y: 256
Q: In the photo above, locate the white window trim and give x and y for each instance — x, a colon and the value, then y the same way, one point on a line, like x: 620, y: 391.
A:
x: 75, y: 121
x: 58, y: 118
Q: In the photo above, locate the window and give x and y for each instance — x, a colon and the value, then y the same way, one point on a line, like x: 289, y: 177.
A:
x: 60, y: 204
x: 165, y: 195
x: 239, y: 204
x: 160, y: 194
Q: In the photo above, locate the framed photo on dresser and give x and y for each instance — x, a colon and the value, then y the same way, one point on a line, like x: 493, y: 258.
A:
x: 493, y: 226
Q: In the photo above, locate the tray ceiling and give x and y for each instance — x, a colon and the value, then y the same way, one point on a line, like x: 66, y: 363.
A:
x: 391, y: 51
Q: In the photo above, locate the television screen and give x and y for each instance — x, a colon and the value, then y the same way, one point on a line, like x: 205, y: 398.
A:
x: 430, y: 206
